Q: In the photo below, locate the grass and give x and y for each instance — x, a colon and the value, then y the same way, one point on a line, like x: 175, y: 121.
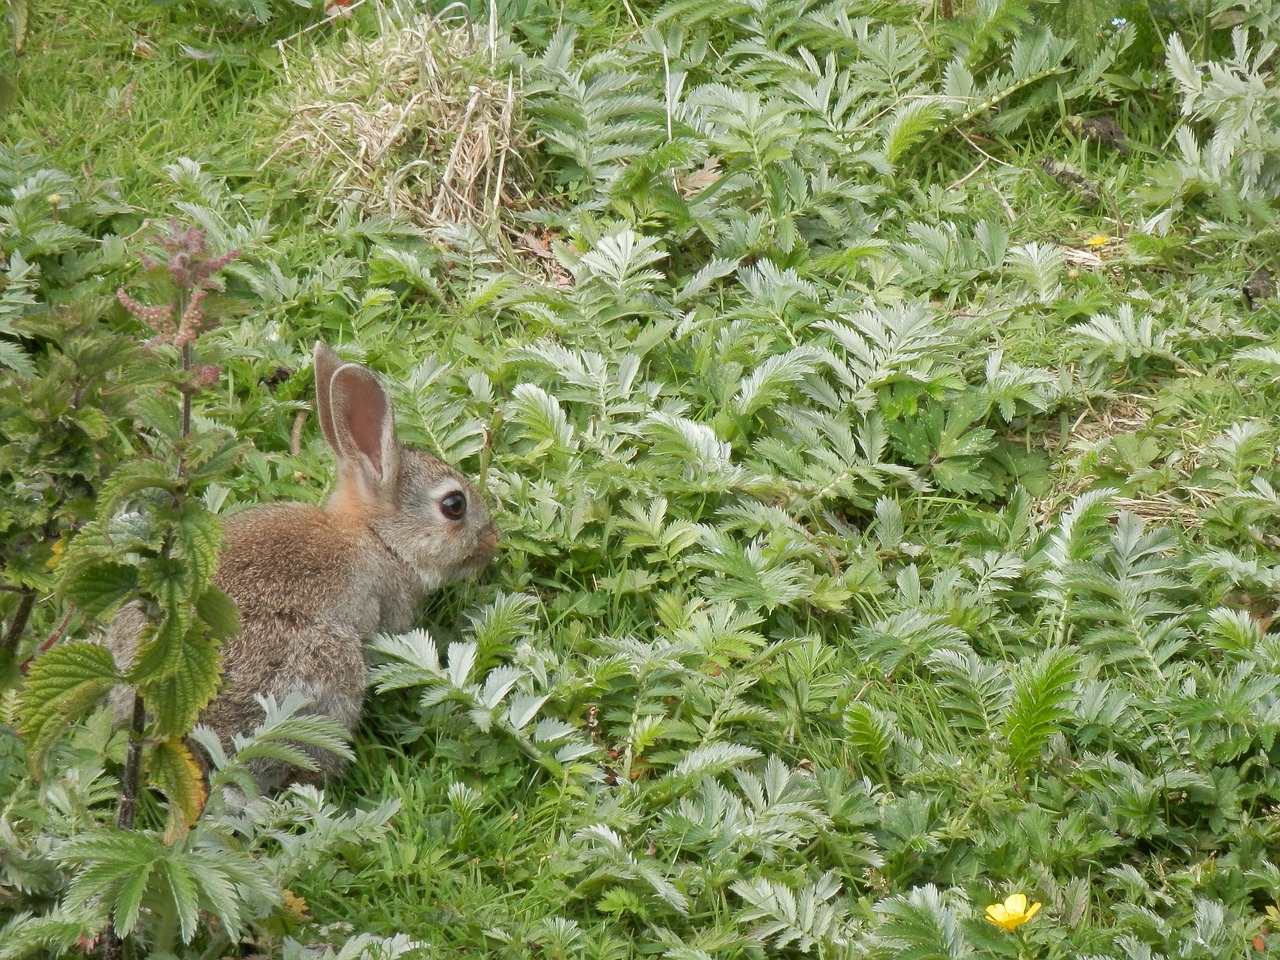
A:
x: 876, y: 544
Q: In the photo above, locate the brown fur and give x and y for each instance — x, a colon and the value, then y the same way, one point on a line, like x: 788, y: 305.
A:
x: 312, y: 585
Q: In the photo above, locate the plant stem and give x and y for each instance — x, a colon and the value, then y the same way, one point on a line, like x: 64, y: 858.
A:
x: 129, y: 786
x: 19, y: 621
x: 132, y: 766
x: 186, y: 407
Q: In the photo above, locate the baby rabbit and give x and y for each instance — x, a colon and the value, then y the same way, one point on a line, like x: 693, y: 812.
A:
x: 313, y: 584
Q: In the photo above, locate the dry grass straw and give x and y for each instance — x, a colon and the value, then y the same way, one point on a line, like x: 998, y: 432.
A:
x: 1091, y: 430
x: 418, y: 122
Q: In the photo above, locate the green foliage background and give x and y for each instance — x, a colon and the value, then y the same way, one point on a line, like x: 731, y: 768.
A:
x: 889, y: 517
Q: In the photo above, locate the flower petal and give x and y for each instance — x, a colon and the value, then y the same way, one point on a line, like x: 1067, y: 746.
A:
x: 997, y: 914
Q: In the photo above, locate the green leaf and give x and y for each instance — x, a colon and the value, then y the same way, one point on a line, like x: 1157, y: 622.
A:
x: 174, y: 770
x: 177, y: 672
x: 200, y: 534
x: 133, y: 477
x: 95, y: 585
x: 177, y: 698
x: 64, y: 684
x: 115, y: 866
x: 1040, y: 700
x: 219, y: 614
x: 18, y: 10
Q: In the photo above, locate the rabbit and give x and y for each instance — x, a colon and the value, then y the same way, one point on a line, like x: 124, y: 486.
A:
x: 313, y: 584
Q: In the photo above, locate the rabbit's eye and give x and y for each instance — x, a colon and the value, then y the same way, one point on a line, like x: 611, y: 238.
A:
x: 454, y: 505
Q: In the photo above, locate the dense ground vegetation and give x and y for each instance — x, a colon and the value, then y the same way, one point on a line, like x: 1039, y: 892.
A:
x: 878, y: 402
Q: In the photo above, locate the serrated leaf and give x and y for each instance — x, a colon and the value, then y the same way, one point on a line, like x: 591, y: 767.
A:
x: 96, y: 586
x: 64, y: 683
x: 711, y: 271
x: 174, y: 770
x: 130, y: 478
x: 185, y: 678
x: 713, y: 758
x: 199, y: 533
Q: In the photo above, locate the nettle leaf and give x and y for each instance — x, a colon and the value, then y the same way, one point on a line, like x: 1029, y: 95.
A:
x: 159, y: 647
x: 132, y: 478
x: 96, y: 585
x: 64, y: 684
x: 200, y: 534
x: 174, y: 770
x: 177, y: 673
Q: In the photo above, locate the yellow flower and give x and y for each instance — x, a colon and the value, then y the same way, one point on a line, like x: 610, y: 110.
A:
x: 1097, y: 241
x: 1014, y: 912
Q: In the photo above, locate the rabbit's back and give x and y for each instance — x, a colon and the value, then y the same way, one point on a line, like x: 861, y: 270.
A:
x: 310, y: 587
x: 293, y: 566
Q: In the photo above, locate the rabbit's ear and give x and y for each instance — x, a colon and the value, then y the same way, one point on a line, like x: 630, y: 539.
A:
x: 325, y: 364
x: 364, y: 431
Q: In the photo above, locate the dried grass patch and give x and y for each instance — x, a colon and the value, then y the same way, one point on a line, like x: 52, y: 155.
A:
x: 421, y: 122
x: 1094, y: 427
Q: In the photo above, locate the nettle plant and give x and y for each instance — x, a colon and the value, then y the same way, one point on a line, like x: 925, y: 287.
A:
x: 60, y: 416
x: 124, y: 833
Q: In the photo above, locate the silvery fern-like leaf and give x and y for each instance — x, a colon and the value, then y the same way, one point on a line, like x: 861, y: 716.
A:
x: 1267, y: 356
x: 693, y: 448
x: 924, y: 923
x: 363, y: 946
x: 885, y: 343
x: 1040, y: 266
x: 973, y: 692
x: 413, y: 659
x: 61, y: 928
x: 623, y: 260
x: 908, y: 123
x: 228, y: 231
x: 286, y: 728
x: 749, y: 574
x: 807, y: 918
x: 497, y: 684
x: 190, y: 177
x: 1125, y: 336
x: 461, y: 660
x: 712, y: 759
x: 713, y: 270
x: 1008, y: 384
x: 541, y: 419
x: 772, y: 379
x: 1082, y: 530
x: 768, y: 286
x: 509, y: 617
x: 1041, y: 693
